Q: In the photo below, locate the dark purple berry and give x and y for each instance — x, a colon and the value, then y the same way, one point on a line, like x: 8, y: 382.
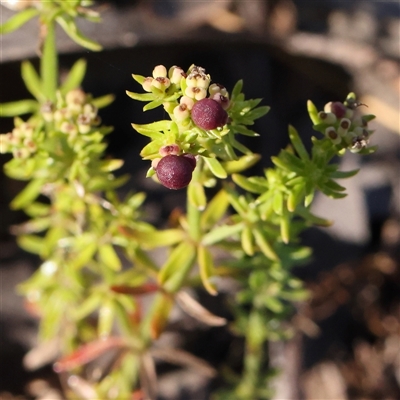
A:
x: 175, y: 172
x: 208, y: 114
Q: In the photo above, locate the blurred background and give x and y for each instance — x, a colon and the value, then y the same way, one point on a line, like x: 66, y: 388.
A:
x: 347, y: 344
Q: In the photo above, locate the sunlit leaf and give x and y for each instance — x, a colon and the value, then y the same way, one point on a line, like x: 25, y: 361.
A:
x: 243, y: 163
x: 215, y: 167
x: 196, y: 195
x: 220, y: 233
x: 31, y: 243
x: 177, y: 266
x: 264, y: 245
x: 109, y: 257
x: 215, y: 210
x: 206, y: 266
x: 247, y: 241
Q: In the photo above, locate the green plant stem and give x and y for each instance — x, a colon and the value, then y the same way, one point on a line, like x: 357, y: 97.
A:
x: 254, y: 353
x: 49, y: 62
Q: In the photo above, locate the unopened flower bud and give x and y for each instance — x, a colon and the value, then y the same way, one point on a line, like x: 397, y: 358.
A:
x: 90, y: 111
x: 196, y: 93
x: 68, y: 128
x: 84, y: 123
x: 21, y: 153
x: 161, y: 83
x: 327, y: 117
x: 47, y: 111
x: 218, y: 88
x: 5, y: 142
x: 30, y: 145
x: 147, y: 84
x: 187, y: 101
x: 181, y: 112
x: 159, y: 72
x: 332, y: 135
x: 344, y: 126
x: 75, y: 99
x: 176, y: 74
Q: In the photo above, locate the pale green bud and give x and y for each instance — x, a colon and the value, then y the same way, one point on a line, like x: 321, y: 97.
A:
x: 159, y: 72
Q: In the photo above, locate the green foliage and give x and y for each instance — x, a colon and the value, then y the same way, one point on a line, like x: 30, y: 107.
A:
x: 96, y: 246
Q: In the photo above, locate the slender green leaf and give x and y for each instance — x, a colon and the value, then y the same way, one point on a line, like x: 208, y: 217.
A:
x: 140, y: 96
x: 313, y: 112
x: 298, y: 144
x: 106, y: 318
x: 84, y: 254
x: 103, y: 101
x: 237, y: 89
x: 111, y: 165
x: 32, y: 80
x: 247, y: 240
x: 75, y: 76
x: 17, y: 20
x: 31, y: 243
x: 220, y: 233
x: 177, y: 267
x: 206, y: 266
x: 153, y: 104
x: 151, y: 239
x: 343, y: 174
x: 215, y: 167
x: 28, y: 194
x: 49, y: 64
x: 308, y: 216
x: 70, y: 28
x: 264, y: 245
x: 247, y: 184
x: 197, y: 196
x: 138, y: 78
x: 37, y: 209
x: 215, y: 210
x: 241, y: 164
x: 109, y: 257
x: 20, y: 107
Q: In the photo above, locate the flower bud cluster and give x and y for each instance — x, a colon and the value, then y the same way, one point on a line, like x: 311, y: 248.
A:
x: 161, y: 80
x: 341, y: 124
x: 21, y: 141
x: 74, y: 115
x: 196, y: 88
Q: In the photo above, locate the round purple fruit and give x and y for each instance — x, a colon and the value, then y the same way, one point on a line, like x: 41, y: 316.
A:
x: 175, y: 172
x: 208, y: 114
